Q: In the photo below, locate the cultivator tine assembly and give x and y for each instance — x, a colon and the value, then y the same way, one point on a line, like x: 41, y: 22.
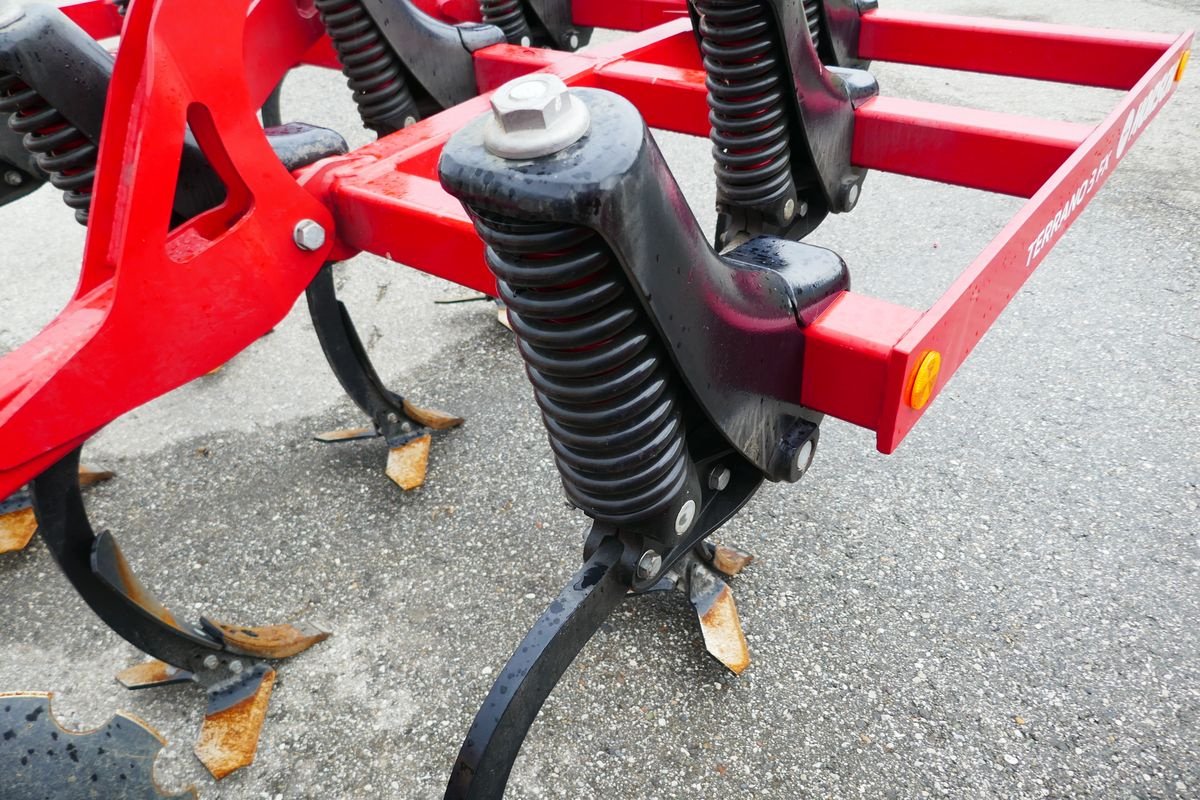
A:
x: 673, y: 375
x: 41, y: 759
x: 660, y: 446
x: 220, y: 174
x: 221, y: 658
x: 406, y: 427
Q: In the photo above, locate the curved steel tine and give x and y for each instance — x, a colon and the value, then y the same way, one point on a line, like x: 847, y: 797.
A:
x: 211, y: 655
x: 486, y: 758
x: 344, y: 350
x: 404, y: 425
x: 123, y: 605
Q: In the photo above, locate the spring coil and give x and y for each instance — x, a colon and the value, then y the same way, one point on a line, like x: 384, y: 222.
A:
x: 508, y: 16
x: 812, y: 17
x: 607, y: 392
x: 59, y: 148
x: 372, y: 70
x: 745, y: 82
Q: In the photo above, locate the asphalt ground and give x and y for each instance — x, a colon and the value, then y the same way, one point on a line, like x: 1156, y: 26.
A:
x: 1007, y: 607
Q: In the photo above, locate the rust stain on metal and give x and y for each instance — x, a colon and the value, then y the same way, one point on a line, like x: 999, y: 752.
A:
x: 345, y: 434
x: 269, y: 641
x: 406, y: 464
x: 730, y: 560
x: 229, y: 738
x: 134, y: 590
x: 431, y: 417
x: 149, y: 673
x: 90, y: 477
x: 16, y: 529
x: 723, y: 635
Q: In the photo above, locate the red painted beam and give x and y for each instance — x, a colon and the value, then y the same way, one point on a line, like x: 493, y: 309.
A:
x: 1082, y: 56
x: 984, y: 150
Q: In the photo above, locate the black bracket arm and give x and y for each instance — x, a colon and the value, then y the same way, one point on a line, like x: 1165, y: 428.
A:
x: 781, y: 93
x: 733, y: 324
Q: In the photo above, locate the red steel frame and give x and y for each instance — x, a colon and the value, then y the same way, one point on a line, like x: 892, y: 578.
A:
x: 155, y: 309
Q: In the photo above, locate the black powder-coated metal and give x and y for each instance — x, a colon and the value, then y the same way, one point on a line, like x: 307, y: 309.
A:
x: 483, y: 765
x: 733, y: 324
x: 782, y: 124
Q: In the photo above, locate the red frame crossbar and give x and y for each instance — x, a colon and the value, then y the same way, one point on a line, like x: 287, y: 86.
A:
x: 861, y: 352
x: 142, y: 323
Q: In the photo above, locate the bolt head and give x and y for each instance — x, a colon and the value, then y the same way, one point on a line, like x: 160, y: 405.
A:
x: 309, y: 235
x: 573, y: 41
x: 13, y: 178
x: 789, y: 209
x: 804, y: 457
x: 236, y: 666
x: 686, y: 516
x: 211, y: 661
x: 718, y: 479
x: 534, y: 115
x: 851, y: 195
x: 649, y: 564
x: 531, y: 103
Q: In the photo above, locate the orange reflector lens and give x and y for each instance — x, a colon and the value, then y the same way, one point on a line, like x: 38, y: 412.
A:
x: 1183, y: 62
x: 924, y: 379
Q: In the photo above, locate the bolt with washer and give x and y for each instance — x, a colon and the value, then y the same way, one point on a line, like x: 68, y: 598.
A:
x: 308, y: 235
x: 533, y: 116
x: 649, y: 564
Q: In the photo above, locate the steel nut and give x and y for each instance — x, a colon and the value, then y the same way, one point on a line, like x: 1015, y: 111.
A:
x: 533, y: 103
x: 533, y: 116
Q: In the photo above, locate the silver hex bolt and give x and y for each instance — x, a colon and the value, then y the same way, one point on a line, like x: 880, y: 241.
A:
x: 649, y: 564
x: 533, y: 116
x: 685, y: 517
x: 211, y: 661
x: 718, y: 479
x: 236, y: 666
x: 308, y: 235
x: 13, y: 178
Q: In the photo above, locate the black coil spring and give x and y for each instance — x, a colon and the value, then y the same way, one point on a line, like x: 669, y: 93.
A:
x: 372, y: 70
x: 607, y: 391
x: 508, y: 16
x: 59, y: 148
x: 745, y: 81
x: 812, y: 17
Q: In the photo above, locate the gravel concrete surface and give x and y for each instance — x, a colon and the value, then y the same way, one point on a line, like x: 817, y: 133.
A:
x: 1007, y: 607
